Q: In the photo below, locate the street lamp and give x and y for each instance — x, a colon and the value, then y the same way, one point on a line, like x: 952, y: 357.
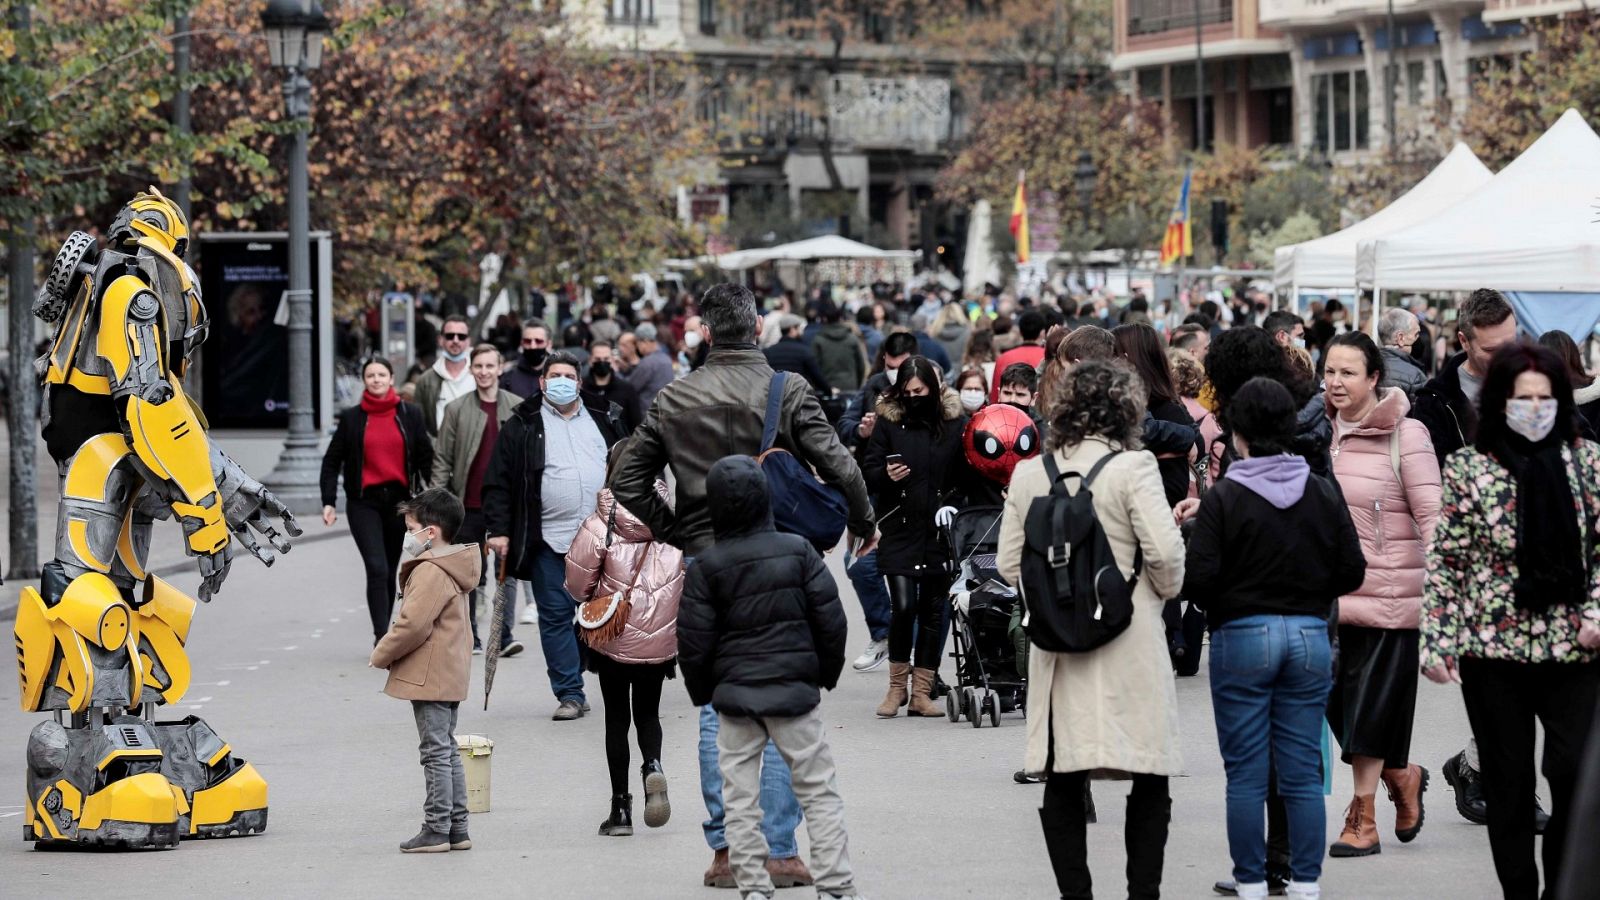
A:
x: 294, y: 30
x: 1084, y: 176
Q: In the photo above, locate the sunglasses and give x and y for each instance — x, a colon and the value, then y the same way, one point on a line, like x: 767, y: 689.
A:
x: 535, y: 342
x: 455, y: 336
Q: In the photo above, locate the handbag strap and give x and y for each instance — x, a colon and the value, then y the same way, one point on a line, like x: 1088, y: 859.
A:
x: 769, y: 425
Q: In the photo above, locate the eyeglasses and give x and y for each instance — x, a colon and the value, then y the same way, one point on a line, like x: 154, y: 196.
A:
x: 535, y: 342
x: 455, y: 336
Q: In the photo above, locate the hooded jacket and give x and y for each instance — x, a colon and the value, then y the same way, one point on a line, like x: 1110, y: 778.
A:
x: 909, y: 542
x: 428, y: 650
x: 761, y: 629
x: 840, y: 355
x: 610, y: 553
x: 1271, y: 540
x: 1440, y: 405
x: 1394, y: 518
x: 953, y: 338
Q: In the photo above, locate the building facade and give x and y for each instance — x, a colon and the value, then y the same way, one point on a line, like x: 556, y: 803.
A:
x: 1309, y: 75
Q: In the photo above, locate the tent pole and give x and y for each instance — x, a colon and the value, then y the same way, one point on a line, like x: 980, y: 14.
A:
x: 1377, y: 309
x: 1294, y: 297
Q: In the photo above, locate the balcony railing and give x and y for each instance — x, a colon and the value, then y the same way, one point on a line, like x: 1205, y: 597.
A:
x: 1156, y: 16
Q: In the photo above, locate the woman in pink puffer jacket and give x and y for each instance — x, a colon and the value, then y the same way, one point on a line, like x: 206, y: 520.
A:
x: 1384, y: 463
x: 612, y: 550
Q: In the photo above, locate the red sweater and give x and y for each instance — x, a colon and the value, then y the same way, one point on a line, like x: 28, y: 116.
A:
x: 1032, y: 354
x: 383, y: 447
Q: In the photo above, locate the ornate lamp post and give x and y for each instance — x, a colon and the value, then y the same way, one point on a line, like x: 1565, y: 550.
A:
x: 294, y: 30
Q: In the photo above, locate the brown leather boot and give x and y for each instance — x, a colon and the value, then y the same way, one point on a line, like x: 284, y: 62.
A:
x: 896, y: 698
x: 1406, y: 787
x: 789, y: 872
x: 922, y: 695
x: 1360, y: 834
x: 720, y: 875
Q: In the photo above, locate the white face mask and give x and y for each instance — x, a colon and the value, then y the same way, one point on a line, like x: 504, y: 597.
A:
x: 971, y: 399
x: 891, y: 374
x: 1533, y: 419
x: 691, y: 339
x: 412, y: 545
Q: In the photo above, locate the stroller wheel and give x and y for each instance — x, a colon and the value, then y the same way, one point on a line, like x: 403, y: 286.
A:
x: 951, y: 710
x: 974, y: 711
x: 992, y: 701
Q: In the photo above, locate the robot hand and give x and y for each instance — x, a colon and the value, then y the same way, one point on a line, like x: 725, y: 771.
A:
x: 248, y: 506
x: 213, y: 571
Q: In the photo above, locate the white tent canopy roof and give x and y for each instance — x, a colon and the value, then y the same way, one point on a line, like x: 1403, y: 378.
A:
x: 830, y: 246
x: 1533, y: 227
x: 1330, y: 261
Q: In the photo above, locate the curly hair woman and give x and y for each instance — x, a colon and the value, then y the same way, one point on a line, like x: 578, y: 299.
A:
x: 1114, y: 707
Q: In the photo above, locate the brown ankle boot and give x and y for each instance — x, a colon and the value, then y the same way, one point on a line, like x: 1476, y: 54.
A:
x: 922, y: 695
x: 1360, y: 834
x: 896, y: 698
x: 1406, y: 787
x: 720, y: 875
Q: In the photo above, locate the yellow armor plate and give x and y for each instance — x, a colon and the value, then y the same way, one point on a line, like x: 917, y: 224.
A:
x: 113, y: 343
x: 243, y: 790
x: 92, y: 465
x: 71, y: 800
x: 163, y: 627
x: 170, y: 441
x: 146, y: 797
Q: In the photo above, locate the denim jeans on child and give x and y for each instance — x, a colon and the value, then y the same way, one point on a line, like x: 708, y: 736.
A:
x: 780, y: 809
x: 445, y: 808
x: 1270, y: 677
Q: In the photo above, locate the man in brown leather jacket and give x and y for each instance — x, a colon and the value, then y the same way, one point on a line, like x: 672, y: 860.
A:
x: 716, y: 411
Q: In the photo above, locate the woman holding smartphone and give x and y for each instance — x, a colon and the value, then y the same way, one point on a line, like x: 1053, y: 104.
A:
x: 913, y: 465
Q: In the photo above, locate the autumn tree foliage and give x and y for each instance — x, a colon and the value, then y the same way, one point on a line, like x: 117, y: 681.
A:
x: 1510, y: 108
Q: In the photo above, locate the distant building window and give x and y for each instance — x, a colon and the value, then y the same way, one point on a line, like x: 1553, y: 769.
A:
x: 1341, y: 111
x: 708, y: 17
x: 631, y: 12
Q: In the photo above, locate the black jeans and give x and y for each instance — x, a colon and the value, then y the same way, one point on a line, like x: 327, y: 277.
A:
x: 1503, y: 698
x: 1144, y: 836
x: 379, y: 532
x: 917, y: 605
x: 617, y: 681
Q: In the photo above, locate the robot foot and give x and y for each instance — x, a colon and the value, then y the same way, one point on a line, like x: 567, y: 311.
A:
x: 226, y: 796
x: 99, y: 786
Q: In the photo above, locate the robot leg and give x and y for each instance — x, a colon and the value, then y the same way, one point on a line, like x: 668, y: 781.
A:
x: 95, y: 779
x: 224, y: 795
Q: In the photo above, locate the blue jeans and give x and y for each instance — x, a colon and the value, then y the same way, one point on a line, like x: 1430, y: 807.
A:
x: 872, y: 593
x: 780, y: 810
x: 1270, y: 677
x: 556, y: 637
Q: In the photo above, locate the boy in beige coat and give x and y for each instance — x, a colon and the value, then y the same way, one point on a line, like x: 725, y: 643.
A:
x: 428, y: 652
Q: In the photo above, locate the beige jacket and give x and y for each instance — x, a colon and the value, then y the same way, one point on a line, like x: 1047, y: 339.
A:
x: 460, y: 436
x: 428, y: 650
x: 1114, y: 707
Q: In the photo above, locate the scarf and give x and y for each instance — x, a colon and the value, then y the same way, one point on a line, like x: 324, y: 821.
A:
x: 1551, y: 566
x: 379, y: 406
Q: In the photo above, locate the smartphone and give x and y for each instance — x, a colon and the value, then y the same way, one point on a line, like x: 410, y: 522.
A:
x: 894, y: 459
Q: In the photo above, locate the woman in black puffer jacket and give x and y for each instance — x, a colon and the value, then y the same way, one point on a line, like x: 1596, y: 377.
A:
x: 915, y: 467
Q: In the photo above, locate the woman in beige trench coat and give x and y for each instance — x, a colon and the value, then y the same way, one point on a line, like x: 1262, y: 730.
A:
x: 1113, y: 708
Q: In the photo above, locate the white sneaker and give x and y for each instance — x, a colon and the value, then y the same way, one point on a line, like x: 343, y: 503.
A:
x: 1256, y: 891
x: 1305, y: 890
x: 872, y: 657
x: 530, y: 616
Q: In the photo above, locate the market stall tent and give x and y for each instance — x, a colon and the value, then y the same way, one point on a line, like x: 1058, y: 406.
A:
x: 1330, y: 261
x: 830, y: 246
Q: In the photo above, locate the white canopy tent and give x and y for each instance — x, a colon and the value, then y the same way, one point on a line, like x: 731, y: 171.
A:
x: 829, y: 246
x: 1330, y: 261
x: 1533, y: 227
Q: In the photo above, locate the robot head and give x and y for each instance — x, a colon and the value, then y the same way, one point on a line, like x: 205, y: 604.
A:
x: 150, y: 214
x: 999, y: 437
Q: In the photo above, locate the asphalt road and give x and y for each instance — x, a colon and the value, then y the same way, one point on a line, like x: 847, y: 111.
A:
x: 931, y: 808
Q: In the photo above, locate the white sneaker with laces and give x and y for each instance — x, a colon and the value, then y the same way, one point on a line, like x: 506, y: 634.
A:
x: 530, y: 616
x: 872, y: 657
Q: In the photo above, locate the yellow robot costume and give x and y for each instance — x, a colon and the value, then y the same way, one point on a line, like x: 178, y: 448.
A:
x: 101, y: 643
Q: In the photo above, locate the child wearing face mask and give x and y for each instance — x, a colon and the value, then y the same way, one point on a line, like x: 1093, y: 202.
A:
x: 428, y: 652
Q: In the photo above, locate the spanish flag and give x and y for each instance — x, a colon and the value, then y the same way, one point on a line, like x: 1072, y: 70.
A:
x: 1179, y: 240
x: 1019, y: 220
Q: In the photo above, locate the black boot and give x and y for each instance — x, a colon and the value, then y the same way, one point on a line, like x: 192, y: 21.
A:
x: 1464, y: 780
x: 656, y: 808
x: 1088, y: 805
x: 1066, y: 841
x: 1144, y: 836
x: 621, y: 822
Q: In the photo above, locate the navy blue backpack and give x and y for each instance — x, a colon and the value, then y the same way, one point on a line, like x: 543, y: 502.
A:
x: 801, y: 504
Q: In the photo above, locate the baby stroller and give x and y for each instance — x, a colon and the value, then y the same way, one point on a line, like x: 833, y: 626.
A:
x: 988, y: 681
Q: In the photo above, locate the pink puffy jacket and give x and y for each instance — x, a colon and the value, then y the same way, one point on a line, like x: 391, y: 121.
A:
x: 1209, y: 432
x: 595, y: 570
x: 1395, y: 519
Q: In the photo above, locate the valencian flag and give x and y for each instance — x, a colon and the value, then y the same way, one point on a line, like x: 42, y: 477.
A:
x: 1179, y: 239
x: 1019, y: 220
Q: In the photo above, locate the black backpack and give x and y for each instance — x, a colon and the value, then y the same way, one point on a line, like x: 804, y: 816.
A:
x: 1074, y: 595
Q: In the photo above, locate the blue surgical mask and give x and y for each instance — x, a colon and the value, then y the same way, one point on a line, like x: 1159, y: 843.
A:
x: 455, y: 357
x: 561, y: 391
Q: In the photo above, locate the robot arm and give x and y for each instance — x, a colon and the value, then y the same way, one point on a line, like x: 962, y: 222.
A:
x: 248, y: 505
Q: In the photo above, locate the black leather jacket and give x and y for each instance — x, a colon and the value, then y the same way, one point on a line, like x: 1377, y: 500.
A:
x: 344, y: 455
x: 716, y: 411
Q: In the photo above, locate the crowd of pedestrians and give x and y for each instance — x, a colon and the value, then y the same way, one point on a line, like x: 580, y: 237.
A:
x: 1332, y: 514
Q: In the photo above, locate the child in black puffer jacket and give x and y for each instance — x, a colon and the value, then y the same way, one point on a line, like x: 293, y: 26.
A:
x: 760, y: 633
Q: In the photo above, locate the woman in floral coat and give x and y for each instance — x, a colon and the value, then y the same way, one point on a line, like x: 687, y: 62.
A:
x: 1511, y: 610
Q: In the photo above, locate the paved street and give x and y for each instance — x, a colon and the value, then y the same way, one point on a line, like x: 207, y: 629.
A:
x: 932, y: 811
